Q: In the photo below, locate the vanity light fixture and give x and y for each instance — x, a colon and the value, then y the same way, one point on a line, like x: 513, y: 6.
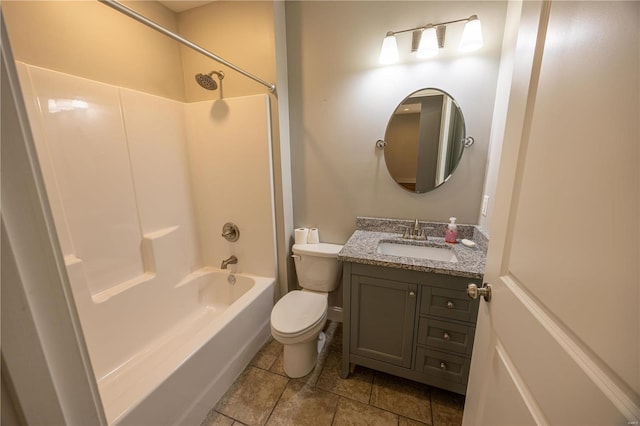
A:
x: 429, y: 39
x: 428, y: 46
x: 471, y: 35
x: 389, y: 51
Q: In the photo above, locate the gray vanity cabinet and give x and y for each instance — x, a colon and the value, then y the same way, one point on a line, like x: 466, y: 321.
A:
x: 417, y: 325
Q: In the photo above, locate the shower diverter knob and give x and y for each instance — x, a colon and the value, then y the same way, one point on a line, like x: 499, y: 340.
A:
x: 231, y: 232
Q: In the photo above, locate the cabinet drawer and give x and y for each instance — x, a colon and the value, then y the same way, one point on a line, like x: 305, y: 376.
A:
x: 451, y: 304
x: 445, y: 335
x: 442, y: 365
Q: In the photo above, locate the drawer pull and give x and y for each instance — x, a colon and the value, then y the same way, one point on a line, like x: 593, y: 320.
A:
x: 412, y: 294
x: 443, y: 365
x: 450, y: 305
x: 446, y: 336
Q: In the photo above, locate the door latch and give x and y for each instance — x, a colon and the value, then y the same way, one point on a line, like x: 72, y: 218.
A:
x: 485, y: 291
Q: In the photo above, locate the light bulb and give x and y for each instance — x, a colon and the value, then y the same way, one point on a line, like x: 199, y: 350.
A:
x: 389, y: 51
x: 471, y: 36
x: 428, y: 47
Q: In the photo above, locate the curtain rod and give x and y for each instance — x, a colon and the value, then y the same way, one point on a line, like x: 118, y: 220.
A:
x: 140, y: 18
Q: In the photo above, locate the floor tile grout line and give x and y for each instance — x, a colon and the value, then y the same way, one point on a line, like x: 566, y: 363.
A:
x: 373, y: 383
x: 373, y: 406
x: 433, y: 421
x: 397, y: 414
x: 333, y: 418
x: 277, y: 401
x: 274, y: 362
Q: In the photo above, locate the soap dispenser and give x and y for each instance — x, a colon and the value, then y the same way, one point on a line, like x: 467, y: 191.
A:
x: 451, y: 235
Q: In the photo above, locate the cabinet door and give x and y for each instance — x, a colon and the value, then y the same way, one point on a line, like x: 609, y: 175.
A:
x: 382, y: 319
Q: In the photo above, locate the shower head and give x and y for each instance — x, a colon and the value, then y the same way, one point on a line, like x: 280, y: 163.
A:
x: 207, y: 81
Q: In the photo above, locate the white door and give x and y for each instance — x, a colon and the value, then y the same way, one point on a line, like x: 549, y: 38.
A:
x: 559, y: 342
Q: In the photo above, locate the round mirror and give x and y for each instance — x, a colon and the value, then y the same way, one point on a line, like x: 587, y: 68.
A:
x: 424, y: 139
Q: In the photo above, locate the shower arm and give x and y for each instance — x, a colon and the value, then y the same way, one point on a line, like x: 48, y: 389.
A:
x: 135, y: 15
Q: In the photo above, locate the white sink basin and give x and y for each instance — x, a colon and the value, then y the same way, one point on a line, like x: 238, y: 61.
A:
x: 418, y: 252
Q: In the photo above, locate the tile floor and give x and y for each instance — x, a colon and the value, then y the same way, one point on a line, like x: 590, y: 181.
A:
x: 263, y: 394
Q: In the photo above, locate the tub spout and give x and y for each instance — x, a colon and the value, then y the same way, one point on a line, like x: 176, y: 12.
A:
x: 230, y: 261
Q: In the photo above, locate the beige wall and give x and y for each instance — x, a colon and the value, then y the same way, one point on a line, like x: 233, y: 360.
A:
x: 240, y: 32
x: 88, y: 39
x: 91, y: 40
x: 341, y: 100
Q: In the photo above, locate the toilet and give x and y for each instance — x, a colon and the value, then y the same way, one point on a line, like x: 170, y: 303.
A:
x: 298, y: 318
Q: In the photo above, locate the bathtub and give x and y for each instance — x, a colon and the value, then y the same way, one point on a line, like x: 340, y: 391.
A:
x: 137, y: 207
x: 174, y: 376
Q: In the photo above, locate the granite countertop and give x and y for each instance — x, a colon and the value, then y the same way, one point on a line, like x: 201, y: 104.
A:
x: 363, y: 244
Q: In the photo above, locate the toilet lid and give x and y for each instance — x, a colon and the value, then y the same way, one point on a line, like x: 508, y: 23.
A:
x: 297, y: 311
x: 319, y: 250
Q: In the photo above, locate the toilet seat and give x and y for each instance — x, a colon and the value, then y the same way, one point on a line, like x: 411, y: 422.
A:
x: 298, y: 312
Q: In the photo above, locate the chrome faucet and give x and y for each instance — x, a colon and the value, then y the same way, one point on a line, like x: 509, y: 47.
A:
x: 230, y: 261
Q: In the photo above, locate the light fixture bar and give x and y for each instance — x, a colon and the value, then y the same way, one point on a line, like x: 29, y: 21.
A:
x: 429, y: 39
x: 415, y: 40
x: 440, y: 32
x: 424, y: 27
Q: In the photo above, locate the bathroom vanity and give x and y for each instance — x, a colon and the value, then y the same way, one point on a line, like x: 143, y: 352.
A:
x: 405, y: 313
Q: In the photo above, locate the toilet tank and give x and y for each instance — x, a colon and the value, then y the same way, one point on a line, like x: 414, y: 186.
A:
x: 317, y: 266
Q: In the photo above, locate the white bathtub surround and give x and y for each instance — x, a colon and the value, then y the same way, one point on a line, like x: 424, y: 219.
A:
x: 109, y: 182
x: 232, y: 180
x: 140, y: 187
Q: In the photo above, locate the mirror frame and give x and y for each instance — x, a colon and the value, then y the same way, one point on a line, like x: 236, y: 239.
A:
x: 434, y: 166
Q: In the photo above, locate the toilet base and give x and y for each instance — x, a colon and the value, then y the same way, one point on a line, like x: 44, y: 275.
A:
x: 301, y: 358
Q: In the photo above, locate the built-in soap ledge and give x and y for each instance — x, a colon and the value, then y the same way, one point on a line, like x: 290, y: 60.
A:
x: 194, y: 275
x: 71, y: 260
x: 107, y: 294
x: 162, y: 256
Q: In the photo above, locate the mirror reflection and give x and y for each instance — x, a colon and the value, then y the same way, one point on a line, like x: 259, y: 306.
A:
x: 425, y: 140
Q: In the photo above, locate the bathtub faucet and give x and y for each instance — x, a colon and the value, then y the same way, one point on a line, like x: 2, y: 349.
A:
x: 230, y: 261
